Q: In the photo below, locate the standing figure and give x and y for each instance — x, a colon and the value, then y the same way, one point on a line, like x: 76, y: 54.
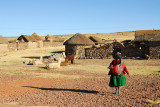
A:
x: 70, y: 57
x: 117, y: 72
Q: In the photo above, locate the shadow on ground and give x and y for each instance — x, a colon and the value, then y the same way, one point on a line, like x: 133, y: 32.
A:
x: 57, y: 51
x: 61, y: 89
x: 35, y: 57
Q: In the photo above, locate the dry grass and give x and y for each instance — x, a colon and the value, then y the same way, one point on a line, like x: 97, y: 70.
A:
x: 144, y: 70
x: 43, y: 75
x: 11, y: 64
x: 119, y: 36
x: 85, y: 68
x: 16, y: 57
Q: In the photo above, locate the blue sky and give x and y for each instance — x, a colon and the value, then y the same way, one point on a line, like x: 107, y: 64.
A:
x: 54, y: 17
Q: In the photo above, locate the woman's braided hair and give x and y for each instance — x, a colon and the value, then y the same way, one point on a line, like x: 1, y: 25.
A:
x: 118, y: 56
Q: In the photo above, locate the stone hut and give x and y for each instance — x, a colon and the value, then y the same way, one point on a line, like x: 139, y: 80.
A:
x: 149, y: 44
x: 48, y: 38
x: 48, y: 42
x: 36, y: 36
x: 38, y: 39
x: 145, y: 45
x: 26, y: 41
x: 77, y: 44
x: 26, y: 38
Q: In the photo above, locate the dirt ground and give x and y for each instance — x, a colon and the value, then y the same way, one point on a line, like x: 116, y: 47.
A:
x: 28, y: 90
x: 83, y: 84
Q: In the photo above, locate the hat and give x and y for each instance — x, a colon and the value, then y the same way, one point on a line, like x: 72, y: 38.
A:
x: 118, y: 53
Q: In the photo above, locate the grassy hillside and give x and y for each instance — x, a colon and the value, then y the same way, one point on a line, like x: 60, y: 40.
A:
x: 120, y: 36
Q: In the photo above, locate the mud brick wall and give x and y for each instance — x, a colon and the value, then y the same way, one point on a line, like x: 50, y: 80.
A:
x: 12, y: 46
x: 22, y: 46
x: 32, y: 45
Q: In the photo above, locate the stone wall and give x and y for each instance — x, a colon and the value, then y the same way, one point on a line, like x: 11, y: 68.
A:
x: 103, y: 52
x: 155, y: 52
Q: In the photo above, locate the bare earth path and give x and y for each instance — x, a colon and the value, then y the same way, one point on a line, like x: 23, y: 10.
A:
x: 30, y: 91
x: 84, y: 84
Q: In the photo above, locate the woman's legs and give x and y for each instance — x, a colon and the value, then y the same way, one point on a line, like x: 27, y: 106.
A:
x: 117, y: 90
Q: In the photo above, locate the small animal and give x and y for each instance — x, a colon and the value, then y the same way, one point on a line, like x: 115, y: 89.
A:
x: 54, y: 65
x: 70, y: 57
x: 64, y: 63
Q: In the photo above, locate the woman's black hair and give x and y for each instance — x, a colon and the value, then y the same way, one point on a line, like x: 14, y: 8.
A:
x: 118, y: 56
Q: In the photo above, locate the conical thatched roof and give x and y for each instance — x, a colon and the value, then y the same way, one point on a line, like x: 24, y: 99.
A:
x: 48, y: 37
x: 27, y: 38
x: 78, y: 39
x: 96, y: 39
x: 36, y: 36
x: 3, y: 40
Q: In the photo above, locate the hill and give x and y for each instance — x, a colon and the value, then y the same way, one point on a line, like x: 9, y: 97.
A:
x: 120, y: 36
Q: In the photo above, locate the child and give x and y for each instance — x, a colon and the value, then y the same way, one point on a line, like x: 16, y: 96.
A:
x: 117, y: 80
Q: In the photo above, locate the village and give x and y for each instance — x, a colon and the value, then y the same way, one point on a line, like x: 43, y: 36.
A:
x: 145, y: 45
x: 73, y: 71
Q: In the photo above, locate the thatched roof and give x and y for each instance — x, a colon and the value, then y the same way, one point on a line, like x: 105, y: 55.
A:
x: 49, y: 36
x: 145, y: 32
x: 36, y: 36
x: 27, y: 38
x: 3, y: 40
x: 78, y: 39
x: 148, y: 37
x: 96, y: 39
